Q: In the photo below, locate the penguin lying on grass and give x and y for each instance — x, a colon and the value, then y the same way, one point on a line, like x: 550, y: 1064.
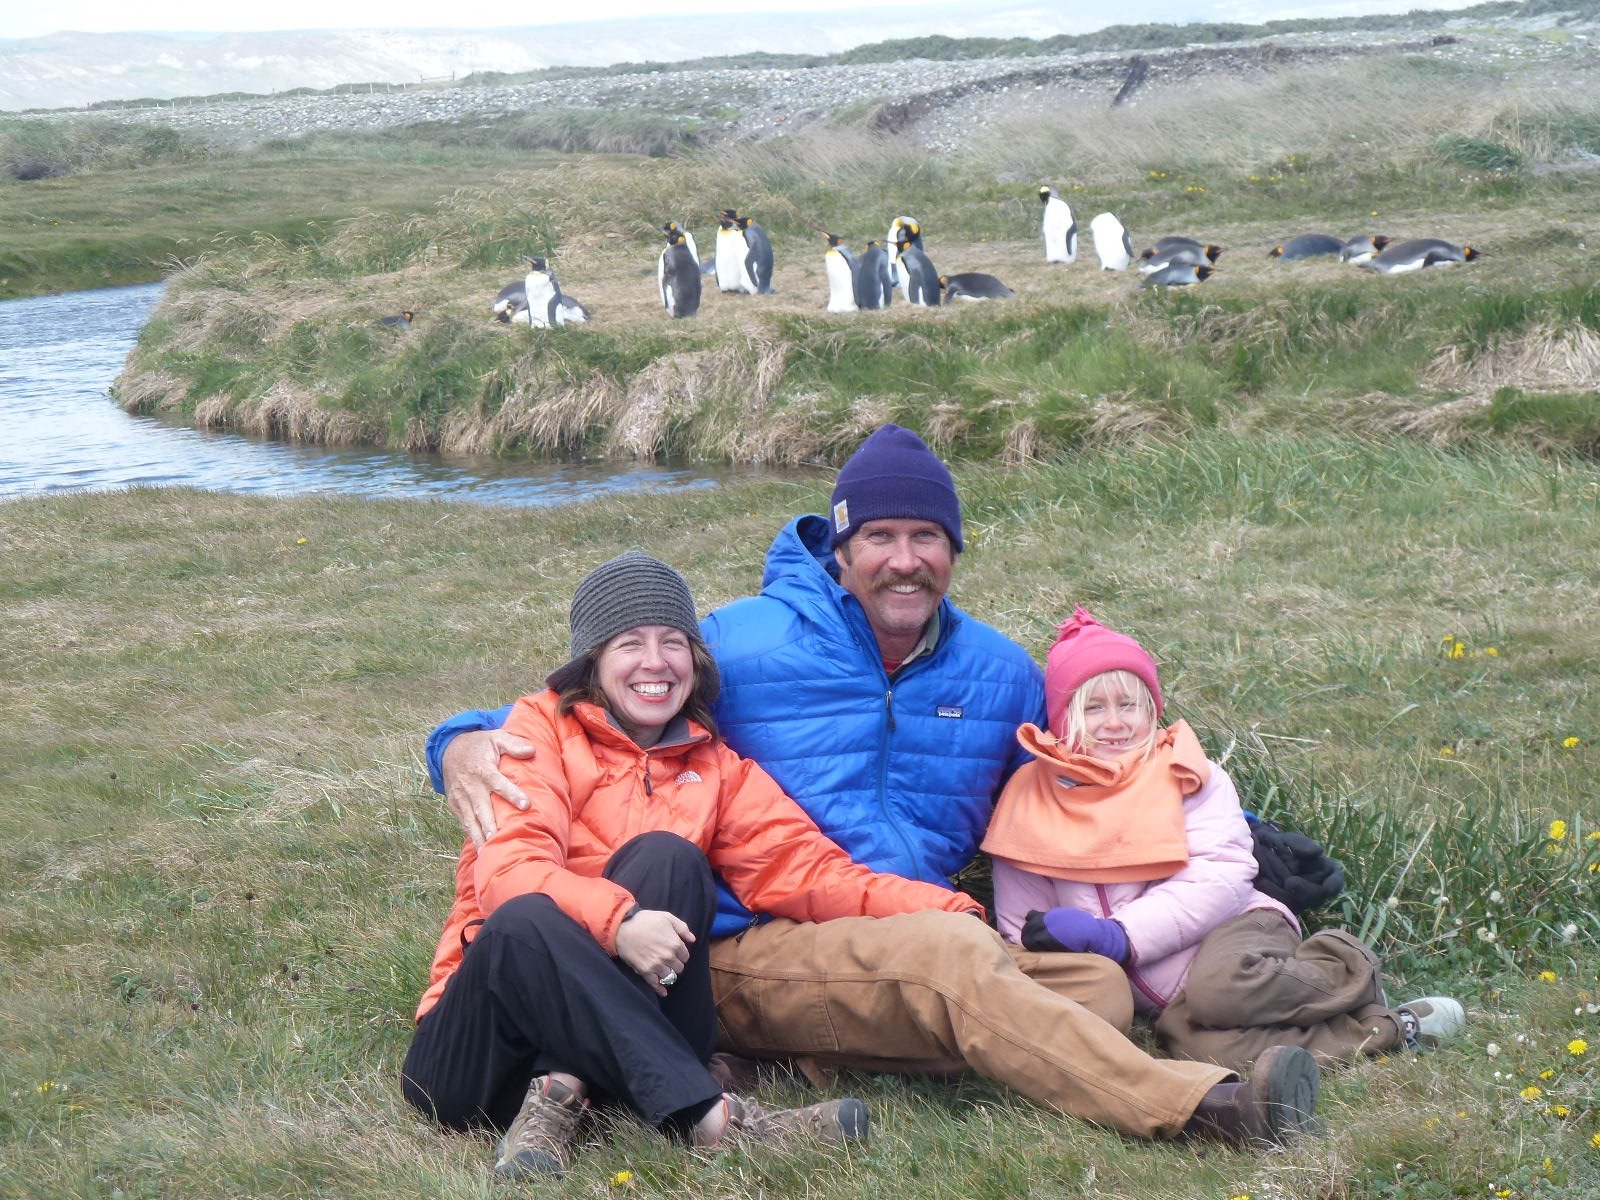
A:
x: 1400, y: 257
x: 544, y: 304
x: 874, y: 277
x: 841, y: 268
x: 511, y: 300
x: 1059, y: 229
x: 401, y: 321
x: 1178, y: 274
x: 1170, y: 251
x: 1111, y: 242
x: 1307, y: 245
x: 973, y: 285
x: 1357, y: 251
x: 678, y: 274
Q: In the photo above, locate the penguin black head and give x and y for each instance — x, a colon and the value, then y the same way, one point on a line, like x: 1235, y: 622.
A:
x: 1467, y: 252
x: 1045, y: 193
x: 675, y: 237
x: 1379, y: 241
x: 1275, y: 252
x: 535, y: 264
x: 411, y: 315
x: 1203, y: 272
x: 670, y: 228
x: 741, y: 221
x: 833, y: 238
x: 1214, y: 252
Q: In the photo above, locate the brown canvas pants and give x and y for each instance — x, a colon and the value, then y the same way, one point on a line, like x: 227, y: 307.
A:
x: 931, y: 987
x: 1255, y: 984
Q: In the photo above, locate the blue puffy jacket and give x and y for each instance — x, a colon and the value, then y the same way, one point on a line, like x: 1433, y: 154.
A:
x: 902, y: 773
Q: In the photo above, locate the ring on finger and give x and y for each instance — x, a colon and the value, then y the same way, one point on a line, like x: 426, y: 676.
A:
x: 670, y: 978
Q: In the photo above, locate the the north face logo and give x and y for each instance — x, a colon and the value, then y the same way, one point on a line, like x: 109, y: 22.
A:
x: 689, y: 777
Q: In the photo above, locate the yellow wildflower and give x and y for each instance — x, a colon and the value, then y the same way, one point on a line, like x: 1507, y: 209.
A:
x: 621, y: 1179
x: 1492, y: 651
x: 45, y: 1088
x: 1546, y: 1074
x: 1558, y: 830
x: 1446, y: 752
x: 1577, y: 1047
x: 1532, y: 1092
x: 1547, y: 976
x: 1558, y: 1110
x: 1569, y: 742
x: 1592, y: 836
x: 1595, y: 1141
x: 300, y: 541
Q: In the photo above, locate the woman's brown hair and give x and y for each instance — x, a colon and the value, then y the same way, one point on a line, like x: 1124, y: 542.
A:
x: 707, y: 683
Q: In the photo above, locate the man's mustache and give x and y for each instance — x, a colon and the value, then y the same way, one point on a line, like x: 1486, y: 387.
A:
x: 919, y: 578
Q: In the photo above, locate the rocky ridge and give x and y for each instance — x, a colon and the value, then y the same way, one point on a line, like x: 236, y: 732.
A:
x: 938, y: 103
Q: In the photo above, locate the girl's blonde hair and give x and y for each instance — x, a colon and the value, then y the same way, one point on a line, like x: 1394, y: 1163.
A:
x: 1119, y: 686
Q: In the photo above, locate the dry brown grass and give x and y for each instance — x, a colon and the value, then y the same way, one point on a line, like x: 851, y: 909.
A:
x: 1546, y: 359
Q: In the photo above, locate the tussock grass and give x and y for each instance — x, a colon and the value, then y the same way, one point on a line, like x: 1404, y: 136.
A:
x: 278, y: 333
x: 223, y: 874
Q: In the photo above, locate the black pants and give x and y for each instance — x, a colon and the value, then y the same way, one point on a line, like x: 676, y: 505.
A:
x: 536, y: 993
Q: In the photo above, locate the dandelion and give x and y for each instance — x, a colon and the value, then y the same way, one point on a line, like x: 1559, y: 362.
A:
x: 1495, y: 897
x: 1559, y: 1110
x: 1392, y: 902
x: 1446, y: 752
x: 1595, y: 1141
x: 1492, y: 651
x: 1577, y: 1047
x: 1570, y: 743
x: 1493, y: 1051
x: 1547, y: 976
x: 45, y: 1088
x: 1532, y: 1092
x: 1240, y: 1196
x: 1558, y: 830
x: 1569, y: 931
x: 621, y: 1179
x: 1547, y: 1074
x: 300, y: 541
x: 1485, y: 934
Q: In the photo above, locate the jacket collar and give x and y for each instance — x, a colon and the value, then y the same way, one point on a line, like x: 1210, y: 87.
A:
x: 602, y: 727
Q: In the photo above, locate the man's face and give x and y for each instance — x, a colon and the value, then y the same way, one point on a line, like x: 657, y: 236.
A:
x: 899, y: 569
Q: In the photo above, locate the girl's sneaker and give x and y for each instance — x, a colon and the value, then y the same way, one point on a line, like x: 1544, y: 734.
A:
x: 1431, y: 1020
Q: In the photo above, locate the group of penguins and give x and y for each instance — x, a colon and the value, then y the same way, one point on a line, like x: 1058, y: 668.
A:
x: 743, y: 263
x: 1179, y: 261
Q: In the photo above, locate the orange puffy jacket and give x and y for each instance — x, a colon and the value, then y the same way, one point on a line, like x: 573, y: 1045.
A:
x: 592, y: 789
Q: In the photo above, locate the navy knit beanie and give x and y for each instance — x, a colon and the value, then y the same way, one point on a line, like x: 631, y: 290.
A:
x: 893, y: 474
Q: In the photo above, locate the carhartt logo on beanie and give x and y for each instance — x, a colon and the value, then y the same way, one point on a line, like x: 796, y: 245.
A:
x: 1085, y: 648
x: 894, y: 474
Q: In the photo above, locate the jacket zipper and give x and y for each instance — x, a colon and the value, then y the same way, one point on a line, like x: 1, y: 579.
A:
x: 1129, y: 968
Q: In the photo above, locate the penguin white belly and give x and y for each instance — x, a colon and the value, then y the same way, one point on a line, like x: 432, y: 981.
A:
x: 1060, y: 232
x: 841, y: 283
x: 731, y: 252
x: 1111, y: 243
x: 539, y: 293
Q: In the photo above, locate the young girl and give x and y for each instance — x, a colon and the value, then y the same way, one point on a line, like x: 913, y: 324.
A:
x: 575, y: 962
x: 1122, y: 839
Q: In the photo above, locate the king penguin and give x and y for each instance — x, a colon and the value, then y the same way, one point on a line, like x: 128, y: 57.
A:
x: 402, y: 320
x: 912, y: 229
x: 678, y: 274
x: 672, y: 227
x: 1111, y: 242
x: 918, y: 277
x: 732, y: 253
x: 1307, y: 245
x: 1177, y: 274
x: 1060, y: 230
x: 841, y: 267
x: 759, y: 260
x: 511, y: 300
x: 1400, y: 257
x: 546, y: 305
x: 973, y: 285
x: 874, y: 278
x: 1358, y: 251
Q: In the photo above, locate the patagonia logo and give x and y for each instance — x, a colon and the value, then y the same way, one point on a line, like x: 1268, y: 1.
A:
x: 688, y: 777
x: 954, y: 711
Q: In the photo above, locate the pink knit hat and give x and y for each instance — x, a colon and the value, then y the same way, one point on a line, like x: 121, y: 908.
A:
x: 1085, y: 648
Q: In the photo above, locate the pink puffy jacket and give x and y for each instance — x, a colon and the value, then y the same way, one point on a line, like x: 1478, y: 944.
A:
x: 1165, y: 919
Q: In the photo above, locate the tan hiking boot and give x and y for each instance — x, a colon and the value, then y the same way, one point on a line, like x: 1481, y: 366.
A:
x: 540, y: 1140
x: 833, y: 1122
x: 1277, y: 1105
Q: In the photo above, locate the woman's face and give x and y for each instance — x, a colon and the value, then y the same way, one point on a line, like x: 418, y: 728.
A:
x: 646, y: 675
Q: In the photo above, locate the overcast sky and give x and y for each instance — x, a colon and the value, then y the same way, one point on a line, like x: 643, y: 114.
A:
x: 19, y: 19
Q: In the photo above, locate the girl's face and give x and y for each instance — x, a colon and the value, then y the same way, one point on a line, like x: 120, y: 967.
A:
x: 646, y: 675
x: 1114, y: 721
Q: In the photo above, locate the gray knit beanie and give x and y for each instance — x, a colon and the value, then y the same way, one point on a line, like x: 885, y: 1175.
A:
x: 630, y: 590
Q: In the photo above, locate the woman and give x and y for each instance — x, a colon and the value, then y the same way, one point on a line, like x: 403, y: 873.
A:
x: 574, y: 964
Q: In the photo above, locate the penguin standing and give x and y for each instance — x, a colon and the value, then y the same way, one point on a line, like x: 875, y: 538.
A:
x: 841, y: 267
x: 974, y: 285
x: 1307, y: 245
x: 732, y: 253
x: 1177, y: 274
x: 1419, y: 253
x: 672, y: 227
x: 1111, y: 242
x: 912, y: 229
x: 1358, y: 251
x: 1060, y: 230
x: 919, y: 278
x: 874, y: 277
x: 678, y: 274
x: 546, y: 306
x: 758, y: 262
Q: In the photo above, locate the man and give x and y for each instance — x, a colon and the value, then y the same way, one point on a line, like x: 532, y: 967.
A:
x: 890, y: 715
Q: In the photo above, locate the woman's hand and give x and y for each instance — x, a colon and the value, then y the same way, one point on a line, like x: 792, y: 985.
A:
x: 471, y: 771
x: 654, y: 943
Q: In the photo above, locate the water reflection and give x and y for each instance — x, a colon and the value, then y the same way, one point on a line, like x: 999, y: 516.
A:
x: 62, y: 433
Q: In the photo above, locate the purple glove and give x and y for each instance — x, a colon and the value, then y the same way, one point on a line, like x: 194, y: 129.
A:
x: 1074, y: 930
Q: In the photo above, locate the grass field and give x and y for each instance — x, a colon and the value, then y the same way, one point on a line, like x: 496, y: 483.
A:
x: 223, y: 873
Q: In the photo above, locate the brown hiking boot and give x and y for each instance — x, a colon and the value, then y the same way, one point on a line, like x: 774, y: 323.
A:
x: 1276, y: 1105
x: 832, y: 1122
x: 540, y: 1140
